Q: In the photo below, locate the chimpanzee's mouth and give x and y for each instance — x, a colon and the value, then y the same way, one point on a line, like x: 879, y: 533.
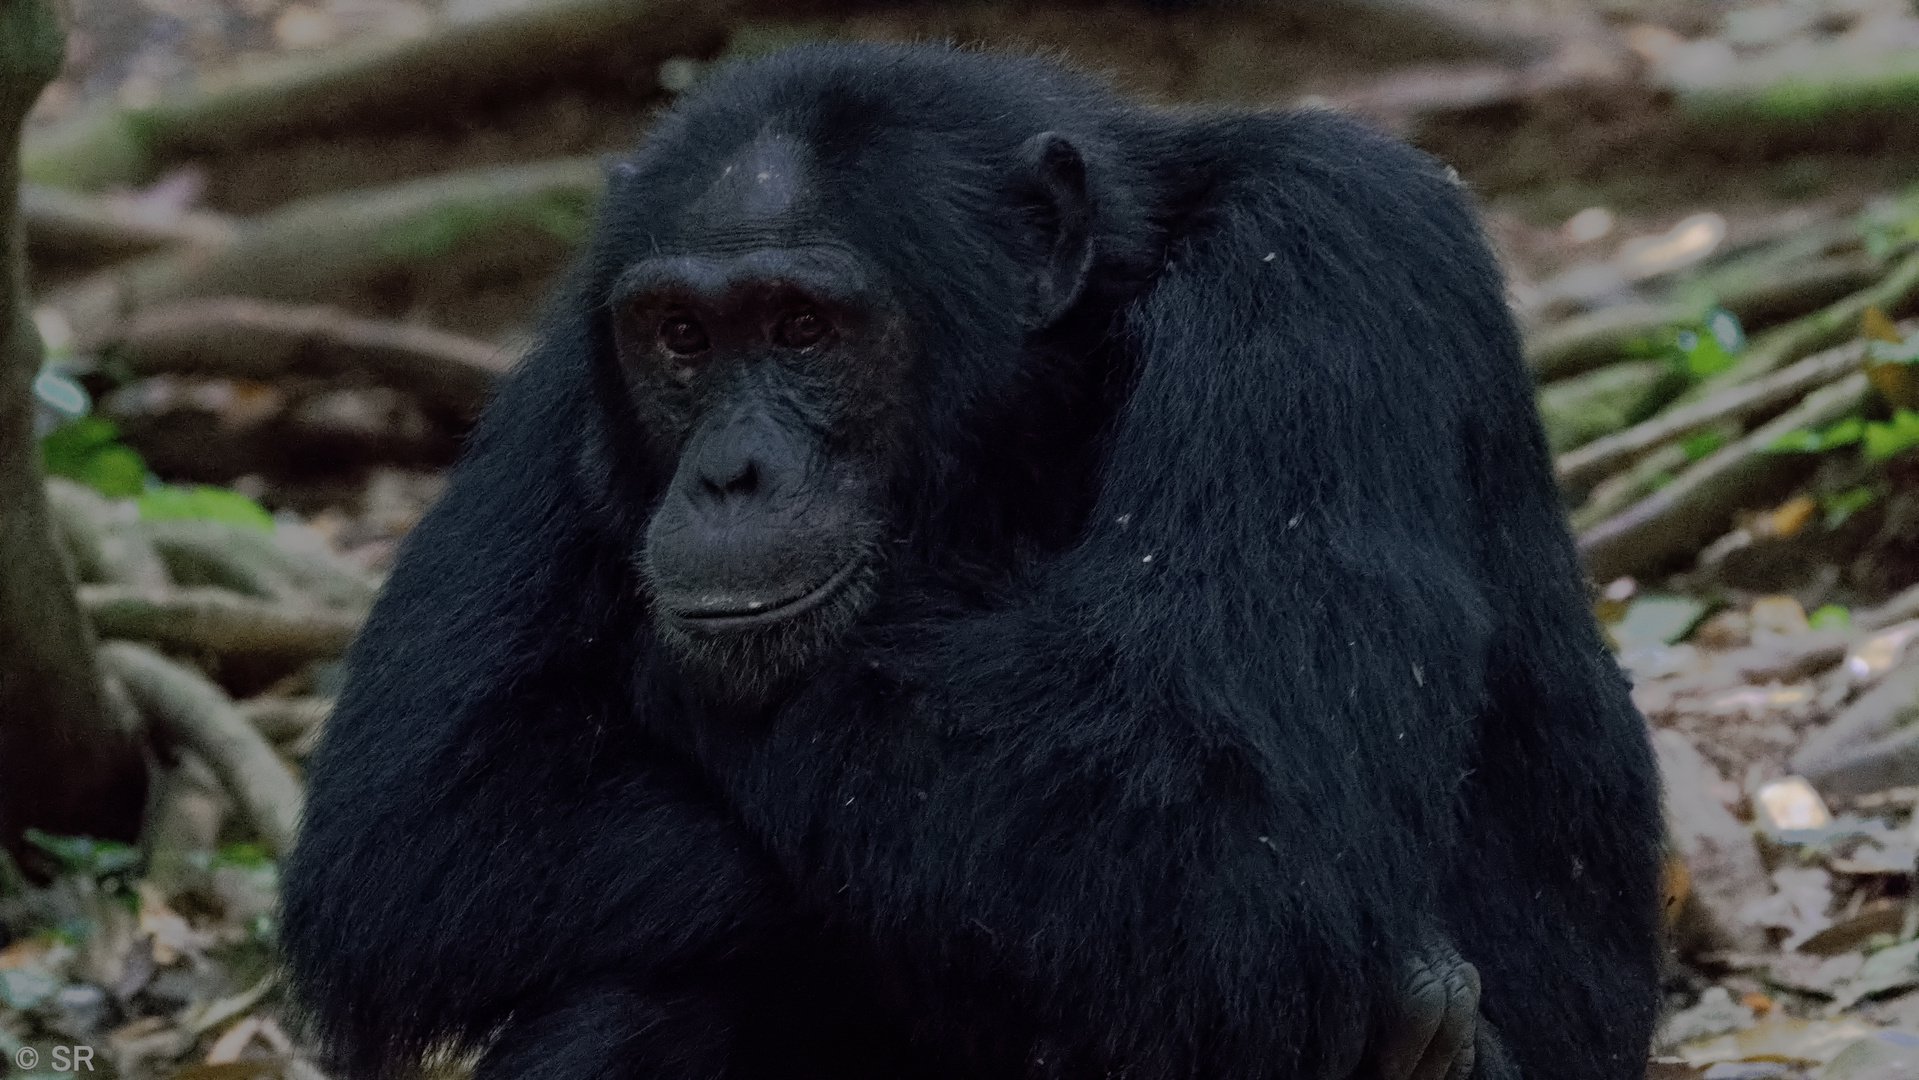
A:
x: 733, y: 619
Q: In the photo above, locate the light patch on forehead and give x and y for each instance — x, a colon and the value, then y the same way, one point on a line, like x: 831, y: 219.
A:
x: 766, y: 180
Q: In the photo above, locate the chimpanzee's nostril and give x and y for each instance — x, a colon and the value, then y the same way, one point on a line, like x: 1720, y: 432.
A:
x: 744, y: 479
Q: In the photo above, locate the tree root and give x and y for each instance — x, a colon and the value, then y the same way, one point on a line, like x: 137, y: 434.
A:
x: 271, y: 566
x: 69, y: 234
x: 1597, y: 339
x: 286, y: 720
x: 1652, y: 533
x: 440, y: 247
x: 238, y: 338
x: 258, y: 564
x: 1586, y: 465
x: 109, y: 546
x: 1617, y: 493
x: 1826, y: 327
x: 612, y: 46
x: 201, y: 716
x: 216, y: 621
x: 103, y: 538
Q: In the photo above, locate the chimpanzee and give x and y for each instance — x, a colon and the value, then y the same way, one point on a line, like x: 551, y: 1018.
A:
x: 979, y: 578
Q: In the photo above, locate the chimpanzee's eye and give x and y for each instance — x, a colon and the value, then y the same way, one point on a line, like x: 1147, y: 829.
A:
x: 682, y: 336
x: 801, y: 329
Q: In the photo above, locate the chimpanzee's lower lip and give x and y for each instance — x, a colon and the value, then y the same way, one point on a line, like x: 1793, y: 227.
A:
x: 723, y: 622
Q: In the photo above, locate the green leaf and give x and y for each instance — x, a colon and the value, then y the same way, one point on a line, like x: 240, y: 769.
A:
x: 1885, y: 440
x: 88, y: 449
x: 1796, y: 441
x: 1829, y: 617
x: 84, y: 854
x: 68, y: 445
x: 1843, y: 504
x: 1842, y: 432
x: 249, y: 854
x: 1704, y: 355
x: 1701, y: 443
x: 202, y: 502
x: 114, y: 470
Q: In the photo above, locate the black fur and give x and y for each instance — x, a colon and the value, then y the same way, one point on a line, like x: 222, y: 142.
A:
x: 1226, y: 636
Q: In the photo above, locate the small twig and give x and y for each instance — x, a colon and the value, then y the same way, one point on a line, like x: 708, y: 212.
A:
x: 201, y: 716
x: 217, y: 621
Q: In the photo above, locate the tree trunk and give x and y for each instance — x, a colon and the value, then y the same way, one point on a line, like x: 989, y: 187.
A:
x: 66, y: 765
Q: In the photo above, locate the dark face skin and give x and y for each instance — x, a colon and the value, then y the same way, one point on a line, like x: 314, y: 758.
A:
x: 765, y: 359
x: 762, y: 360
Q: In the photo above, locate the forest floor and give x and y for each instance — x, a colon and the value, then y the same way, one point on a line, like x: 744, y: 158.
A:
x: 280, y: 248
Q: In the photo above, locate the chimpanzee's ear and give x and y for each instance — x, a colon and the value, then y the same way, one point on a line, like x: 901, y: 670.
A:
x: 1059, y: 173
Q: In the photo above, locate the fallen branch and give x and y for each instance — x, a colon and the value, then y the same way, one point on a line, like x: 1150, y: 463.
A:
x: 216, y: 621
x: 1586, y: 407
x: 1700, y: 503
x: 237, y: 338
x: 201, y: 716
x: 1578, y: 468
x: 1635, y: 135
x: 1595, y: 339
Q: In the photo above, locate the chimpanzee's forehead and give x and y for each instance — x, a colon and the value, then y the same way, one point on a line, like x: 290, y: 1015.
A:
x: 764, y: 194
x: 767, y: 180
